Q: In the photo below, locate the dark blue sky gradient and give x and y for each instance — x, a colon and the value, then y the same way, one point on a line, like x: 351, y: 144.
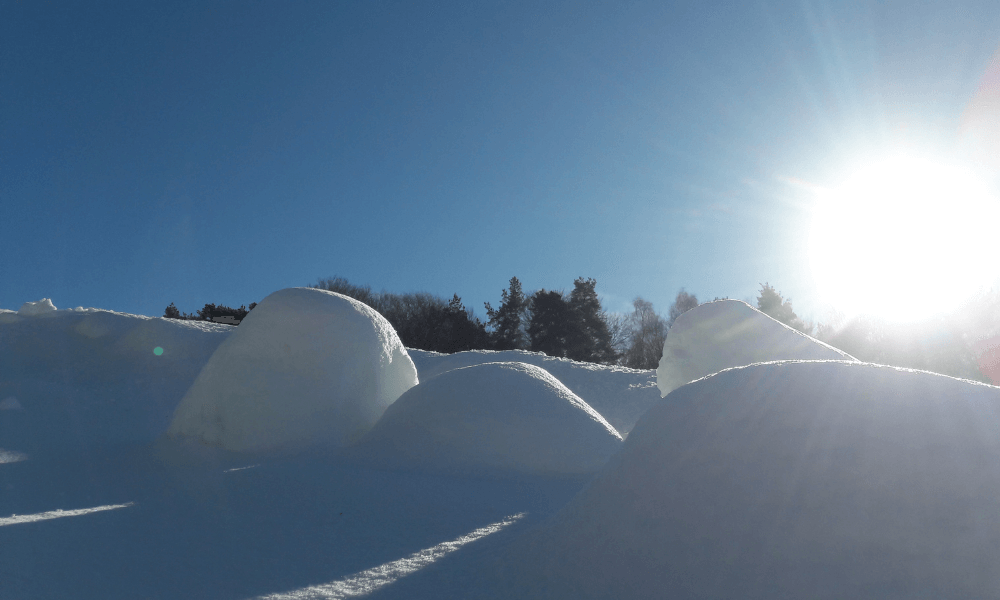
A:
x: 219, y: 151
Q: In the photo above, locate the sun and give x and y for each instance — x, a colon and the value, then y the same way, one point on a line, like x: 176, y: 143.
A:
x: 904, y: 238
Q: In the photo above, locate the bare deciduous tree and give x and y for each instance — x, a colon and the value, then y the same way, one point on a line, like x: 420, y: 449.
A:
x: 621, y: 333
x: 648, y: 333
x: 683, y: 303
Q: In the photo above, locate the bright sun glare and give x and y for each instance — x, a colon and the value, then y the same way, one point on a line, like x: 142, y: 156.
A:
x: 904, y: 238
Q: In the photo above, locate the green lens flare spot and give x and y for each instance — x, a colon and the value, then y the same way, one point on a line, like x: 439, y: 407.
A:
x: 157, y: 351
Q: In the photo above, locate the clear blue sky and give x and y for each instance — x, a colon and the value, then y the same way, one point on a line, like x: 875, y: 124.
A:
x: 219, y: 151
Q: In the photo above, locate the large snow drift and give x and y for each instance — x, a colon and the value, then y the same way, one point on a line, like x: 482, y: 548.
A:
x: 786, y: 480
x: 87, y: 377
x: 305, y: 366
x: 506, y: 415
x: 730, y: 333
x: 620, y: 394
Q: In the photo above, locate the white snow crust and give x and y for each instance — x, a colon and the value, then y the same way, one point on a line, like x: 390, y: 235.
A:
x: 802, y: 479
x: 41, y: 308
x: 29, y: 309
x: 509, y: 416
x: 730, y: 333
x: 621, y: 395
x: 306, y: 366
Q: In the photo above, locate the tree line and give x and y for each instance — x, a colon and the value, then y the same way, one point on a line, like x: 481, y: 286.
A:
x: 570, y: 325
x: 953, y: 344
x: 209, y: 312
x: 574, y: 325
x: 947, y: 343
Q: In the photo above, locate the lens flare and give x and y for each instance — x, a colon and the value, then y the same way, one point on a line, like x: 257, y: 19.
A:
x: 904, y: 238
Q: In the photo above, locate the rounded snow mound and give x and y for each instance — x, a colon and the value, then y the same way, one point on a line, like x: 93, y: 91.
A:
x: 786, y: 480
x: 306, y: 366
x: 36, y: 308
x: 507, y: 416
x: 620, y: 394
x: 730, y: 333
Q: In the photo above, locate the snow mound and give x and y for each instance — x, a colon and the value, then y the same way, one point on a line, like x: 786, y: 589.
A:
x: 510, y: 416
x: 730, y: 333
x: 796, y: 479
x: 41, y: 307
x: 621, y: 395
x: 91, y: 377
x: 305, y: 366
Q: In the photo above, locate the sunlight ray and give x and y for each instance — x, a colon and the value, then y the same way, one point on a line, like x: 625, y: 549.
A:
x: 58, y: 514
x: 368, y: 581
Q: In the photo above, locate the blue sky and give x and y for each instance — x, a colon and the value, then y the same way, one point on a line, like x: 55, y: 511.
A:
x: 219, y: 151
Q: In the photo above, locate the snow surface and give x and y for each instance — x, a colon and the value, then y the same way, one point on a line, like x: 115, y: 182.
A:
x: 730, y: 333
x: 79, y: 378
x: 509, y: 416
x: 621, y: 395
x: 40, y: 309
x: 786, y: 480
x: 306, y: 366
x: 777, y: 480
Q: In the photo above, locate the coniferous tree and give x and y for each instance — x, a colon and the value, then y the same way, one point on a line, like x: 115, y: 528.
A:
x: 416, y: 318
x: 590, y: 338
x: 553, y: 327
x: 773, y: 305
x: 422, y: 321
x: 464, y: 331
x: 172, y: 313
x: 508, y: 321
x: 208, y: 312
x: 205, y: 313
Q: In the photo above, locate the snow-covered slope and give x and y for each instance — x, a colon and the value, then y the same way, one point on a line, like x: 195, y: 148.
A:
x: 620, y: 394
x: 510, y: 416
x: 306, y: 366
x: 730, y: 333
x: 785, y: 480
x: 80, y: 377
